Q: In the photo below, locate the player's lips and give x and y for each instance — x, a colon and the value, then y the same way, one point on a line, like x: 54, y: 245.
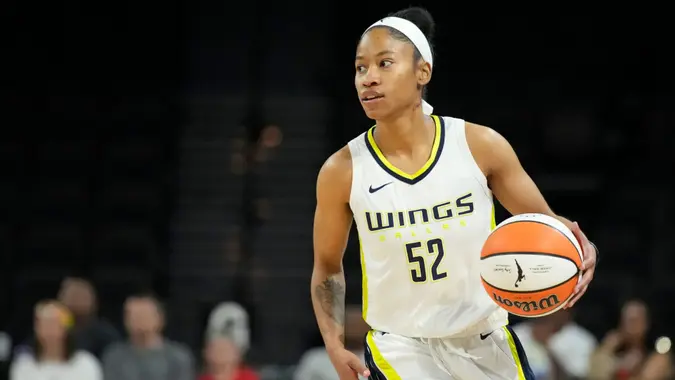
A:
x: 370, y: 96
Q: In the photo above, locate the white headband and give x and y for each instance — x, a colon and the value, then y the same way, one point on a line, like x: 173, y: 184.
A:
x: 415, y: 35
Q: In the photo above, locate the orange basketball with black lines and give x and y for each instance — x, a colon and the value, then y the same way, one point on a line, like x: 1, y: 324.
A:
x: 530, y: 265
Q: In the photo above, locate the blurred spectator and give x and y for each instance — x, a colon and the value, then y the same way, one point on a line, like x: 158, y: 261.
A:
x: 547, y: 342
x: 5, y: 350
x: 91, y: 333
x: 53, y: 355
x: 147, y: 355
x: 223, y: 361
x: 622, y: 353
x: 229, y: 320
x: 315, y: 363
x: 535, y: 336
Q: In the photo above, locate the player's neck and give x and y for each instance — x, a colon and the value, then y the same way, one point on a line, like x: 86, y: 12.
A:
x: 403, y: 133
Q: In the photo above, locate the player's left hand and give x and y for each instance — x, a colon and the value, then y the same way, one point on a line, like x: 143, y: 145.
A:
x: 588, y: 265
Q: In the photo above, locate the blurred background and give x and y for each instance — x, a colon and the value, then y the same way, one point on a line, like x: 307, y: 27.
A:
x: 159, y: 162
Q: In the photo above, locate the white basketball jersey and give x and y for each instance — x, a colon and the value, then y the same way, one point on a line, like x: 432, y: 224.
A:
x: 421, y: 237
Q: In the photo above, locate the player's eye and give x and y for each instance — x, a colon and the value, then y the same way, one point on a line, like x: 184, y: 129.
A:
x: 386, y: 63
x: 360, y: 69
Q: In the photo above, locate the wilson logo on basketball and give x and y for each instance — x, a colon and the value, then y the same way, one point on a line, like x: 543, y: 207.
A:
x: 527, y: 306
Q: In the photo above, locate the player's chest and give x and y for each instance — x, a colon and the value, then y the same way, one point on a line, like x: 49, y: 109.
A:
x: 435, y: 204
x: 380, y: 192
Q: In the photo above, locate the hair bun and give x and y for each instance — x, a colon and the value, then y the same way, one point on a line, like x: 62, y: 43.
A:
x: 421, y: 18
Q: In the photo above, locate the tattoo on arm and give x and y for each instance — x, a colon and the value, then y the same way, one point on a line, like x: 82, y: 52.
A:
x: 331, y: 295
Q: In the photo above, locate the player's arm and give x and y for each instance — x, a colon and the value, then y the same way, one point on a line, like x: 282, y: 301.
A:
x: 517, y: 192
x: 332, y: 222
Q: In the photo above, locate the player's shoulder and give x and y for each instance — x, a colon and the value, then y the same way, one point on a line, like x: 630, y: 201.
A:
x: 336, y: 173
x: 476, y: 133
x: 484, y: 140
x: 481, y: 134
x: 338, y: 163
x: 488, y: 147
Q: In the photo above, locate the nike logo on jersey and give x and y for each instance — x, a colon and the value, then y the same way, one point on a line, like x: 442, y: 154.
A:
x: 484, y: 336
x: 372, y: 189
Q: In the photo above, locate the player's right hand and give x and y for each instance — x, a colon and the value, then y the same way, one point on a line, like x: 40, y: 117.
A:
x: 348, y: 365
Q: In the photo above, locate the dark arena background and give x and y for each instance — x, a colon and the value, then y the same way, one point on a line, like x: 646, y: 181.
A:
x: 168, y: 152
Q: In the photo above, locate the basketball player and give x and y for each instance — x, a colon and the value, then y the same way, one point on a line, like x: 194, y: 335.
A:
x: 420, y: 190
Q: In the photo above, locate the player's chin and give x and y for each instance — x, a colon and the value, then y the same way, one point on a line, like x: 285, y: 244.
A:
x: 375, y: 113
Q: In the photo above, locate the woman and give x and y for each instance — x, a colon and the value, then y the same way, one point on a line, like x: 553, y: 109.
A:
x: 53, y: 355
x: 419, y: 188
x: 623, y: 352
x: 223, y: 361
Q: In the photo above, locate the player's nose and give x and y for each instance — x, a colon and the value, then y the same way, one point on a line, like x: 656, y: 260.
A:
x: 372, y: 78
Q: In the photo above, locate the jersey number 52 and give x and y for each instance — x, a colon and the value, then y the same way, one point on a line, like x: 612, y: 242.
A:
x: 420, y: 254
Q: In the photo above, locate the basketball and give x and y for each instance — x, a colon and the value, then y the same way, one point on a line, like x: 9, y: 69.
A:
x: 530, y: 265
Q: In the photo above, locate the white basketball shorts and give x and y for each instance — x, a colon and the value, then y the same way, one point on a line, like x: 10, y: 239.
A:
x: 495, y: 355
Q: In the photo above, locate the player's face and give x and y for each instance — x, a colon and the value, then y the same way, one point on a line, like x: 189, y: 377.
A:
x: 387, y: 77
